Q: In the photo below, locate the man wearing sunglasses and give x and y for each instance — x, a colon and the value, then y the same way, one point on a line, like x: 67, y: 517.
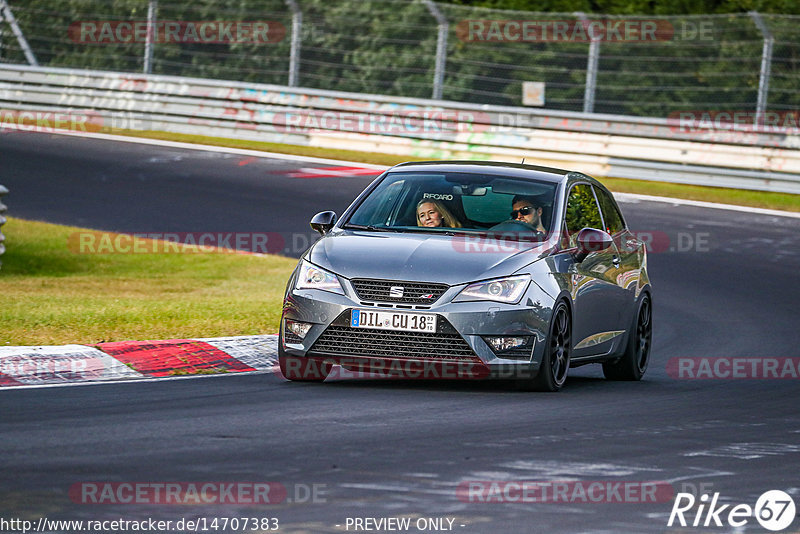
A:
x: 524, y: 209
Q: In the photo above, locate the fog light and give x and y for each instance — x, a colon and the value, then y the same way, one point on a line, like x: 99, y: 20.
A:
x: 500, y: 344
x: 296, y: 329
x: 512, y: 347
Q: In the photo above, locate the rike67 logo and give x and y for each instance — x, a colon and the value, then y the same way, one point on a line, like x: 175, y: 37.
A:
x: 774, y: 510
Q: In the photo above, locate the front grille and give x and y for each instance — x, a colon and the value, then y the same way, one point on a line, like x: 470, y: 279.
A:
x: 413, y: 292
x: 521, y: 353
x: 445, y: 344
x: 291, y: 337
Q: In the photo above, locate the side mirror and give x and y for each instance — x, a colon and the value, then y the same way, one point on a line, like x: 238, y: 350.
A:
x: 591, y: 240
x: 323, y: 221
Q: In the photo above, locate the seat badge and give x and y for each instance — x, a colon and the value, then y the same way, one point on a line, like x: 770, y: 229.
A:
x: 396, y: 292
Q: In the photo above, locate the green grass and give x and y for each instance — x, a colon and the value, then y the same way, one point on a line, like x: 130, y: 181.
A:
x: 53, y: 295
x: 760, y: 199
x: 741, y: 197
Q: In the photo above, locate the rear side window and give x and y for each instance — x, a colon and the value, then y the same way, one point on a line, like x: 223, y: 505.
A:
x: 611, y: 214
x: 582, y: 210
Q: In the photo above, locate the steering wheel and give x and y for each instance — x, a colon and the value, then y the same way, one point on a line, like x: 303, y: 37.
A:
x: 513, y: 225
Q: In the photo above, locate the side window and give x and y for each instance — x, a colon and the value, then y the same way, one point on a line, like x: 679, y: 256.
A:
x: 611, y: 214
x: 381, y: 209
x: 582, y: 211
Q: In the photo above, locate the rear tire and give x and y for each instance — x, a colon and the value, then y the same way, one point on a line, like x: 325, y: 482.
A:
x: 634, y: 362
x: 555, y: 363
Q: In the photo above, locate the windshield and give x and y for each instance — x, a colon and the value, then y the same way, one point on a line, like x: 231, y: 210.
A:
x: 458, y: 202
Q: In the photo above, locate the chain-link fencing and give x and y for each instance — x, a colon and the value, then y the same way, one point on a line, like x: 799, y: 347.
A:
x: 644, y: 66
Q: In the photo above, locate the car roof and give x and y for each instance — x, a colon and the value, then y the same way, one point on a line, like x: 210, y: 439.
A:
x: 518, y: 170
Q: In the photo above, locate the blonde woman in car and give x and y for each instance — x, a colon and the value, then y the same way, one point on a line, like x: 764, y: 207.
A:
x: 433, y: 214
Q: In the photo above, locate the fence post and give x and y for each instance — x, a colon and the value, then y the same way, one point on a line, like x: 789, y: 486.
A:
x: 441, y: 48
x: 23, y: 43
x: 152, y: 6
x: 3, y: 191
x: 1, y: 35
x: 766, y: 66
x: 591, y: 67
x: 294, y: 53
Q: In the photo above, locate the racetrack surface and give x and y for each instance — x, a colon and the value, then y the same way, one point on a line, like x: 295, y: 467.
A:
x: 380, y: 448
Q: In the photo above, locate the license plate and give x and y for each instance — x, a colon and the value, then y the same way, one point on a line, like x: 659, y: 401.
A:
x: 391, y: 320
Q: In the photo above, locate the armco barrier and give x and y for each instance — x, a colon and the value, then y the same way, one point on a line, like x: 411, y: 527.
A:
x: 604, y: 145
x: 3, y: 208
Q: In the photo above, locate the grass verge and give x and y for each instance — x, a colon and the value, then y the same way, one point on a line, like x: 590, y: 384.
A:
x: 54, y: 296
x: 759, y: 199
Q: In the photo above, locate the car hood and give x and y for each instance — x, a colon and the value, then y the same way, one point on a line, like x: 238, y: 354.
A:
x: 422, y: 257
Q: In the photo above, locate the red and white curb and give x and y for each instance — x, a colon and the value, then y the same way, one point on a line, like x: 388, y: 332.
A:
x: 131, y: 360
x: 333, y: 172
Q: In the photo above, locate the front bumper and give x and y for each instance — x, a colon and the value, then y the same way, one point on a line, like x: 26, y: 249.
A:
x: 458, y: 349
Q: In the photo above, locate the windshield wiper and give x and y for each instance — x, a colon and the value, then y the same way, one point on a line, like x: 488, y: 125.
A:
x: 435, y: 231
x: 369, y: 228
x: 420, y: 229
x: 404, y: 229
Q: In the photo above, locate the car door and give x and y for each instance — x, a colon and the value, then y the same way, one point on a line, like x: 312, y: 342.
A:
x: 628, y: 271
x: 599, y: 301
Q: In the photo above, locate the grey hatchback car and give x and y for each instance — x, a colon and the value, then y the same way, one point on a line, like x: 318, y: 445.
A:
x: 471, y: 270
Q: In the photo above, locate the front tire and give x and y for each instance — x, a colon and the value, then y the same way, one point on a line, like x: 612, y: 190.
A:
x: 555, y: 363
x: 633, y: 364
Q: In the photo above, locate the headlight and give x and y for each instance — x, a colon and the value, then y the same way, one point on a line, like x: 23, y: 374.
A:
x: 508, y: 289
x: 313, y: 277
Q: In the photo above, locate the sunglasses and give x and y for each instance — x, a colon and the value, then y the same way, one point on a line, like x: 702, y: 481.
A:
x: 527, y: 210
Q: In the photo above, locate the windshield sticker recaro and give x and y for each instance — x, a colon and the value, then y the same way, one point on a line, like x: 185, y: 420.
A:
x: 437, y: 196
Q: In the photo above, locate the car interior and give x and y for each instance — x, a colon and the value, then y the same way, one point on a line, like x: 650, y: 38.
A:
x: 478, y: 202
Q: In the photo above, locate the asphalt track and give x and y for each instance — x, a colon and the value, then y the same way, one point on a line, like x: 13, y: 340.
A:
x: 400, y: 449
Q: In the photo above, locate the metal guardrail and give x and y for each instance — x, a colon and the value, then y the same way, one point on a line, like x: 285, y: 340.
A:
x: 604, y: 145
x: 3, y: 209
